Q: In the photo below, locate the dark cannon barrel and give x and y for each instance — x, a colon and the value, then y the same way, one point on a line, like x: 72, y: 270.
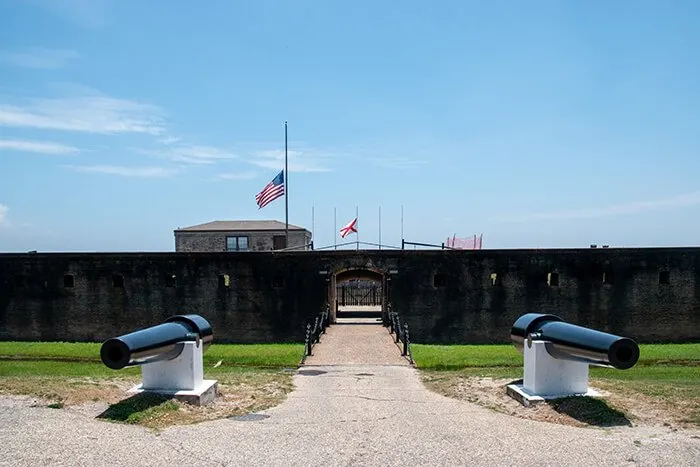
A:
x: 567, y: 341
x: 157, y: 343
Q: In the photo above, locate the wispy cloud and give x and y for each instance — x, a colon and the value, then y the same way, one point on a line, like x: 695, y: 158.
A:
x: 170, y: 140
x: 43, y: 147
x: 3, y: 214
x: 238, y: 176
x: 684, y: 200
x: 143, y: 172
x: 38, y: 57
x: 396, y: 162
x: 191, y: 154
x: 90, y: 114
x: 298, y: 161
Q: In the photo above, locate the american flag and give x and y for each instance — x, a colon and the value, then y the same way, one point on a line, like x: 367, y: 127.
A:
x: 351, y: 227
x: 272, y: 191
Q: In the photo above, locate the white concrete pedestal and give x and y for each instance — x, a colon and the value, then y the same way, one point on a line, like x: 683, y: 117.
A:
x: 546, y: 377
x: 181, y: 378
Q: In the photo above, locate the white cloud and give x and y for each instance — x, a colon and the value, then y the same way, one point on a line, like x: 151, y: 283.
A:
x: 3, y: 214
x: 191, y: 154
x: 170, y: 140
x: 43, y: 147
x: 688, y: 199
x: 237, y: 176
x: 298, y: 161
x: 38, y: 57
x: 144, y: 172
x: 90, y: 113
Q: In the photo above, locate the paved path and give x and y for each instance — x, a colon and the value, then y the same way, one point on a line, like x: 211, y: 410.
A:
x: 356, y: 341
x: 340, y: 415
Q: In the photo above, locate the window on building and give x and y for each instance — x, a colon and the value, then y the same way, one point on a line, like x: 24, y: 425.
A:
x: 553, y: 279
x: 118, y: 281
x: 608, y: 278
x: 279, y: 242
x: 278, y: 281
x: 21, y: 281
x: 238, y: 243
x: 665, y: 277
x: 68, y: 281
x: 439, y: 280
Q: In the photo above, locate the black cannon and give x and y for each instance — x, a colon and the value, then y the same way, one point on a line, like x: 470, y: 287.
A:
x: 566, y: 341
x: 157, y: 343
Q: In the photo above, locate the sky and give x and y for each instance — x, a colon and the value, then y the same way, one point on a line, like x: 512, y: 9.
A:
x: 540, y: 124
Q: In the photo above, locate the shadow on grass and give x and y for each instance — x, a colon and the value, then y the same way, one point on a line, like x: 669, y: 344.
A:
x: 590, y: 411
x: 138, y: 408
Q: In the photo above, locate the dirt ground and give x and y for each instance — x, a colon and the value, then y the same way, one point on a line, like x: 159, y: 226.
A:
x: 616, y: 407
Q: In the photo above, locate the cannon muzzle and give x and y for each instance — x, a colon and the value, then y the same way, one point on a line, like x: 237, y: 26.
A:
x: 157, y: 343
x: 565, y: 341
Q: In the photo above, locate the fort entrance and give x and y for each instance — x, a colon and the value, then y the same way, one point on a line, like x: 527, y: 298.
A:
x: 357, y: 292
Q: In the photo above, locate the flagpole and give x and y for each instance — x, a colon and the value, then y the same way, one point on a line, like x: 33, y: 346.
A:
x: 335, y: 230
x: 286, y: 190
x: 313, y: 223
x: 380, y: 227
x: 402, y: 223
x: 357, y: 226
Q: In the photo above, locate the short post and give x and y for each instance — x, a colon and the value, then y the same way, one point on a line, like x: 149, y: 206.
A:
x: 405, y: 339
x: 398, y: 329
x: 308, y: 339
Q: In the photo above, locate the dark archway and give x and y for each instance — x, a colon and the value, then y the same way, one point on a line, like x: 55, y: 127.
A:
x: 357, y: 292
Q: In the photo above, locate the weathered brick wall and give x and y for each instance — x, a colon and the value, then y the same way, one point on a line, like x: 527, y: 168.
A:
x: 445, y: 296
x: 216, y: 241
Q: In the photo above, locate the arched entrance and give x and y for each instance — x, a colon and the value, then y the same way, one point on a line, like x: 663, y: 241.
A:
x: 357, y: 292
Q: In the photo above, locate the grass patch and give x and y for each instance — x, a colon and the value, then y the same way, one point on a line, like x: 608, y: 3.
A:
x: 251, y: 377
x: 663, y: 385
x: 455, y: 357
x: 257, y: 355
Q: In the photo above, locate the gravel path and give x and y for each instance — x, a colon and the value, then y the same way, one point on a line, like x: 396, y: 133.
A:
x: 343, y: 414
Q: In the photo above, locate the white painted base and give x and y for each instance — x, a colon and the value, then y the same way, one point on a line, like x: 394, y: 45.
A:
x: 545, y: 377
x: 548, y: 377
x: 204, y: 394
x: 181, y: 378
x: 185, y: 372
x: 520, y: 394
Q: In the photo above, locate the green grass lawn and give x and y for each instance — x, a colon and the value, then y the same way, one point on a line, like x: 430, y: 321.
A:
x: 230, y: 355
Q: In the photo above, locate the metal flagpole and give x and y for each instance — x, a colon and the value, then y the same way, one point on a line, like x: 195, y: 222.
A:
x: 357, y: 226
x: 335, y: 230
x: 380, y: 227
x: 313, y: 223
x: 286, y: 191
x: 402, y: 222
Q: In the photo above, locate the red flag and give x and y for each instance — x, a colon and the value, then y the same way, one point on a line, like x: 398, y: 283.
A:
x: 351, y: 227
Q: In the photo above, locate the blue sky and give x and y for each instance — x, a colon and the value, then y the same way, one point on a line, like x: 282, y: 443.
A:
x: 541, y: 124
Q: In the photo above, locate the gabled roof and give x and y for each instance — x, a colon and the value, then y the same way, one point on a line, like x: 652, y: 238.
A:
x: 238, y: 226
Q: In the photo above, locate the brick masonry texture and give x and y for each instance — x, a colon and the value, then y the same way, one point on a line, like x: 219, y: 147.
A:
x: 445, y: 296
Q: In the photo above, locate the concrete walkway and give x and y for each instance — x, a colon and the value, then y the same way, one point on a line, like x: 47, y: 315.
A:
x: 341, y: 413
x: 356, y: 341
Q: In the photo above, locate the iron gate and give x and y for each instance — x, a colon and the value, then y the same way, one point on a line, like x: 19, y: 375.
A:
x: 359, y: 293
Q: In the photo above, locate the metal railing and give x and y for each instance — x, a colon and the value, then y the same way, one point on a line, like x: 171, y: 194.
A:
x: 392, y: 320
x: 313, y: 332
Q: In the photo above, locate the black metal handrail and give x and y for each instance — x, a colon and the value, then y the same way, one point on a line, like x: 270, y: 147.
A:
x: 313, y: 332
x: 392, y: 320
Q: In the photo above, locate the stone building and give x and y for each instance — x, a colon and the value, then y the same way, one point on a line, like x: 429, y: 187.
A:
x: 240, y: 236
